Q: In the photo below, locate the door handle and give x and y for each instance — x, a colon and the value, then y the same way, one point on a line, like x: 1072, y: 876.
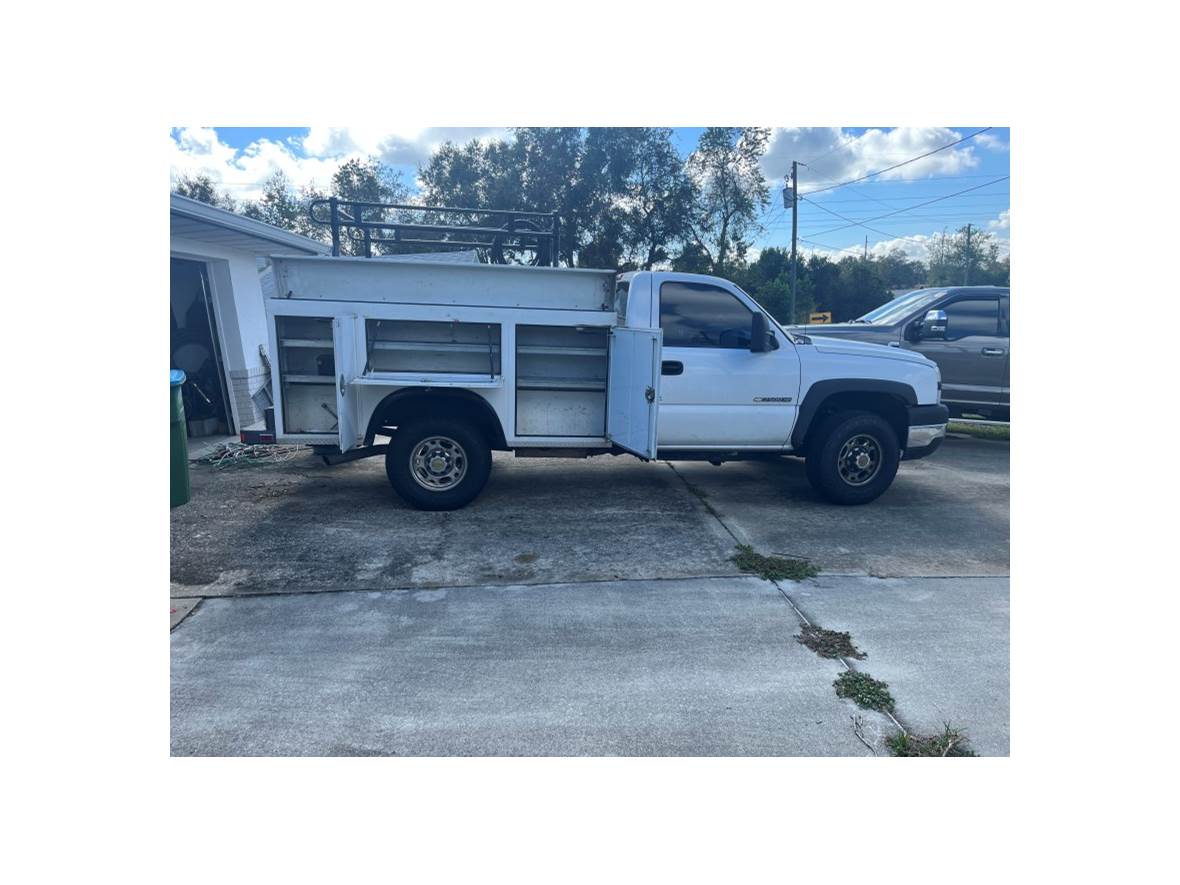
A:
x: 671, y: 367
x: 992, y: 351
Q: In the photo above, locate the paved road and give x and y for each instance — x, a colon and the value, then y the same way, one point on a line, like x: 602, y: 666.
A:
x: 582, y: 608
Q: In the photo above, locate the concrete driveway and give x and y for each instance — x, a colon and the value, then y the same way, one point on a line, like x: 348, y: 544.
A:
x: 583, y: 607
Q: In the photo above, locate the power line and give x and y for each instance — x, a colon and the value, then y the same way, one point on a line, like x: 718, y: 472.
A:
x: 831, y: 248
x: 898, y: 165
x: 905, y: 182
x: 854, y: 224
x: 896, y: 211
x: 963, y: 217
x: 867, y: 199
x: 845, y: 142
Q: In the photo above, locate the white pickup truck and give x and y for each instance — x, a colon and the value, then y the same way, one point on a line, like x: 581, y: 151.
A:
x: 452, y: 361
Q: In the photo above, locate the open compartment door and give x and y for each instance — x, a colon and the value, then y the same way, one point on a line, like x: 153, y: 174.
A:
x: 633, y: 390
x: 344, y: 338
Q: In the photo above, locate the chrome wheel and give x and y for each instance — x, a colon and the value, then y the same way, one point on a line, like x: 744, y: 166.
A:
x: 859, y: 459
x: 438, y: 463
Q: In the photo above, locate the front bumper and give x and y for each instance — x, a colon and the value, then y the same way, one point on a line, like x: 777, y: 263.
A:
x: 927, y: 430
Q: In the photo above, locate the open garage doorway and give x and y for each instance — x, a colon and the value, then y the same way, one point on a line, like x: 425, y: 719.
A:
x: 196, y: 350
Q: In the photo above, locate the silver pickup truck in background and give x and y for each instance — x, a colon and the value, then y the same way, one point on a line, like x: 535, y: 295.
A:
x: 964, y: 329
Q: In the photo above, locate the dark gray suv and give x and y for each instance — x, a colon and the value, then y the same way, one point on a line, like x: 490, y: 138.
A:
x: 964, y: 329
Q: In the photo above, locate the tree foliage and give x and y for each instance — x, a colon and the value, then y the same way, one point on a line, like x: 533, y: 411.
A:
x: 731, y: 192
x: 281, y: 206
x: 848, y: 288
x: 622, y: 193
x: 202, y: 187
x: 966, y: 258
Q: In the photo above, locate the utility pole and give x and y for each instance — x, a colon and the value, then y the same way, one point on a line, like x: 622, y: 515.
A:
x: 866, y: 247
x: 794, y: 233
x: 967, y: 256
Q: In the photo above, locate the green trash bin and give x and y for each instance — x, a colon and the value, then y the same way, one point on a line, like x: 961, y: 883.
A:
x: 181, y: 489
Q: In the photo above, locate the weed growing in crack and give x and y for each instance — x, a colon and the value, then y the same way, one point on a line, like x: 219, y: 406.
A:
x: 828, y: 643
x: 772, y: 568
x: 951, y: 742
x: 867, y: 692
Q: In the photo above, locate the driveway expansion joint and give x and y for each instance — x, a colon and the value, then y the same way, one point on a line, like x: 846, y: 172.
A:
x: 802, y: 618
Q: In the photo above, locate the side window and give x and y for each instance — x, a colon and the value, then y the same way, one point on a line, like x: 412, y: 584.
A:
x: 965, y: 318
x: 700, y: 315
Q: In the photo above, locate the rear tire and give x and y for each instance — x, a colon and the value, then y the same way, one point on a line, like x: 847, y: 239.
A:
x: 438, y: 463
x: 853, y: 457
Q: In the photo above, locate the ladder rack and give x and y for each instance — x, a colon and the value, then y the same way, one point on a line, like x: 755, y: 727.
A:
x: 501, y: 232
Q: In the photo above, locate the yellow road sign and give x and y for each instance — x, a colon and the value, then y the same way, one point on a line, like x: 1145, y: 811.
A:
x: 824, y: 317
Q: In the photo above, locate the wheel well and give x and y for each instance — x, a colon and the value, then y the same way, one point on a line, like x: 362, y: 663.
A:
x: 888, y: 406
x: 409, y: 404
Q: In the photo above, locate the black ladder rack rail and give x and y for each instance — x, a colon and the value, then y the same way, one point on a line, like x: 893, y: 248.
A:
x: 493, y: 229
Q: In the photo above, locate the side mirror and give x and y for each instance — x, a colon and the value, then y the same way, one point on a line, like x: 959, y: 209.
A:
x: 934, y: 325
x: 759, y: 333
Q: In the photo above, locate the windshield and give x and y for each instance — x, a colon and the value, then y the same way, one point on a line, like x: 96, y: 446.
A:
x: 892, y: 311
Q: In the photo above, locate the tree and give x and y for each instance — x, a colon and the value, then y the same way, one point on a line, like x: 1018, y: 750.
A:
x: 534, y: 172
x: 899, y: 271
x: 621, y: 192
x: 202, y: 187
x: 650, y: 195
x: 959, y: 258
x: 861, y: 288
x: 281, y: 206
x: 366, y: 181
x: 731, y: 192
x: 768, y: 281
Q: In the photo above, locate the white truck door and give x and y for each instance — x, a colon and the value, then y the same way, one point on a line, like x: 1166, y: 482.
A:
x: 344, y: 336
x: 633, y: 390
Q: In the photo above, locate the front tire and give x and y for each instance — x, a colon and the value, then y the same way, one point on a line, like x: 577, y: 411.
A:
x: 853, y: 457
x: 438, y: 463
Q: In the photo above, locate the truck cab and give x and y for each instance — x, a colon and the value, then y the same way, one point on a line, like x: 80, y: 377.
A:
x: 724, y: 389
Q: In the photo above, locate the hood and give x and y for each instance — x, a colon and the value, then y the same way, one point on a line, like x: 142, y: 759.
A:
x: 833, y: 329
x: 861, y: 348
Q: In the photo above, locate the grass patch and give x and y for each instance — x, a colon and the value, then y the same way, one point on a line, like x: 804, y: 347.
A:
x: 867, y: 692
x: 772, y: 568
x: 980, y: 431
x: 951, y: 742
x: 828, y: 643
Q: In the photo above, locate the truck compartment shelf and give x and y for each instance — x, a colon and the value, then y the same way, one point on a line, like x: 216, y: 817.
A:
x: 434, y: 379
x: 309, y: 379
x: 428, y: 346
x: 307, y: 342
x: 542, y: 383
x: 557, y: 350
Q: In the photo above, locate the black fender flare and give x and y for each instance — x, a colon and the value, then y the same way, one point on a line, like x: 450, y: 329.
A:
x: 445, y: 396
x: 820, y: 391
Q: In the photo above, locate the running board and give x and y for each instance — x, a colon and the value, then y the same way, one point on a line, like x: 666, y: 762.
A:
x: 332, y: 455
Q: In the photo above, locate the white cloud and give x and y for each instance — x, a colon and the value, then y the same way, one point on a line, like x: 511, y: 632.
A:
x: 834, y: 155
x: 991, y: 142
x: 311, y: 160
x: 393, y: 146
x: 914, y: 246
x: 198, y: 151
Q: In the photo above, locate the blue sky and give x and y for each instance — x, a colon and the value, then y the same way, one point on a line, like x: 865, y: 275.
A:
x: 240, y: 159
